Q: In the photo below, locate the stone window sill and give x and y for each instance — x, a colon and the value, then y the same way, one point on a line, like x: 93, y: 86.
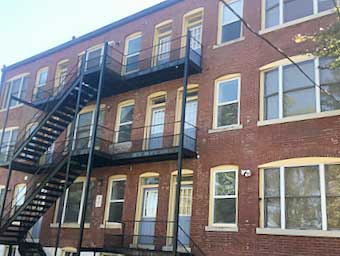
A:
x: 221, y: 228
x: 295, y: 232
x: 112, y: 225
x: 225, y: 129
x: 69, y: 225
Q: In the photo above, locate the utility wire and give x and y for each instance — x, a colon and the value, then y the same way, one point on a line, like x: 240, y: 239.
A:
x: 280, y: 51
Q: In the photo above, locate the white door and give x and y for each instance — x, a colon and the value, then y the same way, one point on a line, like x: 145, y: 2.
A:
x: 157, y: 128
x: 149, y: 212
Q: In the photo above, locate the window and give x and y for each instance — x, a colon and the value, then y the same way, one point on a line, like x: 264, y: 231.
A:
x: 302, y: 197
x: 16, y: 87
x: 287, y: 92
x: 224, y: 196
x: 231, y: 25
x: 40, y: 84
x: 281, y: 11
x: 193, y: 23
x: 2, y: 194
x: 162, y: 46
x: 94, y: 58
x: 227, y: 102
x: 125, y: 120
x: 8, y: 143
x: 61, y: 76
x: 133, y: 48
x: 19, y: 196
x: 74, y: 201
x: 116, y: 200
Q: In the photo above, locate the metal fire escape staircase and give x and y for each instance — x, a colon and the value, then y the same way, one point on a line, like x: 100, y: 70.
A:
x: 48, y: 180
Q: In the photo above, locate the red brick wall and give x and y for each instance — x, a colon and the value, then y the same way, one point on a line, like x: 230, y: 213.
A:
x: 248, y: 147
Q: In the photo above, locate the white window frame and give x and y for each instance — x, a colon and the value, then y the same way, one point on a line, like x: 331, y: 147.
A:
x: 281, y: 15
x: 133, y: 37
x: 110, y: 200
x: 119, y: 123
x: 8, y: 90
x: 2, y: 190
x: 39, y: 73
x: 217, y: 104
x: 224, y: 197
x: 323, y: 197
x: 81, y: 203
x: 93, y: 49
x: 11, y: 129
x: 221, y: 24
x: 280, y: 93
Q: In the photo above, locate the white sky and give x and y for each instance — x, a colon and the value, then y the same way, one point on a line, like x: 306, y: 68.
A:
x: 28, y: 27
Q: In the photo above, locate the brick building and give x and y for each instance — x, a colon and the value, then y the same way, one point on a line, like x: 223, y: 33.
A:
x: 261, y: 142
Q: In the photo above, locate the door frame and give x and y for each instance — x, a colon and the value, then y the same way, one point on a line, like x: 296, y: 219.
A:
x: 139, y: 202
x: 172, y: 196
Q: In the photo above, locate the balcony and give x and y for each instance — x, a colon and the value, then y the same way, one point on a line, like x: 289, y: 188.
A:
x: 136, y: 145
x: 149, y: 66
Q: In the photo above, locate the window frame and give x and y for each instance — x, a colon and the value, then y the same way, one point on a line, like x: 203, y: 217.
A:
x: 2, y: 192
x: 186, y: 25
x: 220, y: 23
x: 37, y: 80
x: 158, y: 35
x: 109, y: 200
x: 279, y: 65
x: 281, y: 23
x: 322, y: 187
x: 126, y: 55
x: 8, y: 90
x: 121, y: 105
x: 93, y: 49
x: 213, y: 172
x: 11, y: 130
x: 217, y: 105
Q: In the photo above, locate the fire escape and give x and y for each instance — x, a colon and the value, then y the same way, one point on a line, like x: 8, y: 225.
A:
x: 56, y: 112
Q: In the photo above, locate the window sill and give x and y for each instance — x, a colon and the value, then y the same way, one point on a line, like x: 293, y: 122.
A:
x: 221, y: 228
x: 69, y: 225
x: 111, y: 225
x: 216, y: 46
x: 299, y: 118
x: 295, y: 232
x: 295, y: 22
x: 180, y: 248
x: 225, y: 129
x: 11, y: 108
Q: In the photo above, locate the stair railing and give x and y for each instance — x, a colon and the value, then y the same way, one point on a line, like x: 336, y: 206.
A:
x: 39, y: 179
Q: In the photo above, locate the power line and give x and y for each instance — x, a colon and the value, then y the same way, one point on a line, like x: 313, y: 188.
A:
x: 280, y: 51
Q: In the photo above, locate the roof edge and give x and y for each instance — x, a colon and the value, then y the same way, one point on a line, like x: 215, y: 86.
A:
x: 94, y: 33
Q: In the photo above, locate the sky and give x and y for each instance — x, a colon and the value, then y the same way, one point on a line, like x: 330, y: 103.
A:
x: 28, y: 27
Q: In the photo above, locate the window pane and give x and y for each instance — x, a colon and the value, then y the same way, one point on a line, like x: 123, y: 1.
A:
x: 228, y: 16
x: 271, y: 82
x: 272, y: 13
x: 73, y: 203
x: 295, y: 9
x: 225, y: 183
x: 134, y: 45
x: 325, y: 5
x: 228, y: 91
x: 299, y: 102
x: 293, y: 78
x: 231, y: 31
x: 271, y: 107
x: 272, y: 182
x: 330, y: 82
x: 225, y: 210
x: 150, y: 181
x: 303, y: 200
x: 116, y: 212
x: 118, y: 187
x: 124, y: 133
x: 272, y: 213
x: 227, y: 115
x: 132, y: 63
x: 42, y: 78
x: 332, y: 173
x: 126, y: 114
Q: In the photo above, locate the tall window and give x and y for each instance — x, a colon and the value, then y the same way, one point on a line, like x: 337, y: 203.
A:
x: 227, y: 102
x: 163, y: 44
x: 8, y: 144
x: 155, y: 129
x: 125, y: 120
x: 116, y: 200
x: 16, y: 87
x: 287, y: 92
x: 61, y: 76
x: 194, y: 23
x: 40, y: 85
x: 224, y: 196
x: 281, y: 11
x: 133, y: 48
x: 302, y: 197
x: 94, y: 58
x: 74, y: 202
x: 2, y: 194
x: 231, y: 25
